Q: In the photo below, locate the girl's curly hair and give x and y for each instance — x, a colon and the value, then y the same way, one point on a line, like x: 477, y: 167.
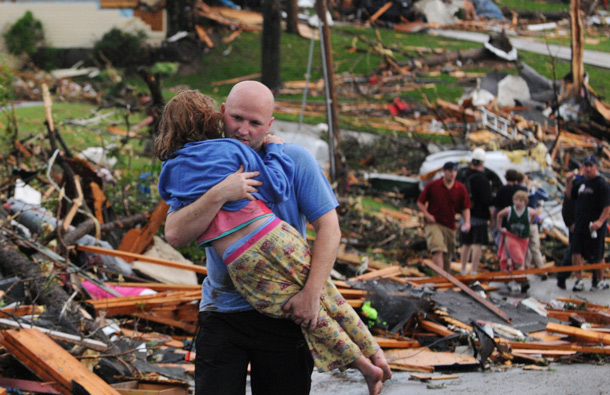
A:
x: 189, y: 116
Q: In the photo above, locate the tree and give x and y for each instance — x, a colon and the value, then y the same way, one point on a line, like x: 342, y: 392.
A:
x: 292, y: 16
x: 272, y: 31
x: 25, y: 36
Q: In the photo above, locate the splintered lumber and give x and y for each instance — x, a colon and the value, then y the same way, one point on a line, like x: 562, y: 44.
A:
x: 387, y: 272
x: 468, y: 291
x: 203, y: 36
x: 143, y: 258
x: 143, y: 303
x: 423, y: 357
x: 52, y: 363
x: 410, y: 221
x: 435, y: 328
x: 595, y: 317
x: 501, y: 276
x: 138, y: 240
x: 564, y: 346
x: 578, y: 333
x: 21, y: 311
x: 152, y: 336
x: 396, y: 343
x: 379, y: 12
x: 65, y: 337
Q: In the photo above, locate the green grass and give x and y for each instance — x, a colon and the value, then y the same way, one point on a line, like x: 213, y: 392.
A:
x: 536, y: 5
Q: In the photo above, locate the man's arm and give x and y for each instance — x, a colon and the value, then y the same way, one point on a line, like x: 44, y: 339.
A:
x: 466, y: 216
x: 427, y: 216
x: 305, y: 305
x: 186, y: 224
x: 600, y: 221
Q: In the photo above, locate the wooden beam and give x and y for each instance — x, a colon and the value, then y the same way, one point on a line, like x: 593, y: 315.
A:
x: 50, y: 362
x: 61, y: 336
x: 143, y: 258
x: 379, y: 12
x: 468, y: 291
x: 138, y: 240
x: 495, y: 275
x: 578, y: 333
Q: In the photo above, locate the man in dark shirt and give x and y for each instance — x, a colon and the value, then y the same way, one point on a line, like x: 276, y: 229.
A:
x: 591, y: 208
x: 481, y: 199
x: 440, y: 200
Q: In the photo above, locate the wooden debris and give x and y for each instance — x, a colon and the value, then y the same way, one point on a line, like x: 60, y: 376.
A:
x: 138, y: 240
x: 469, y: 291
x: 144, y: 258
x: 52, y: 363
x: 578, y: 333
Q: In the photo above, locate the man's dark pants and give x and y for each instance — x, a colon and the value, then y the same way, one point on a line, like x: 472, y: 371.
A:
x: 281, y: 362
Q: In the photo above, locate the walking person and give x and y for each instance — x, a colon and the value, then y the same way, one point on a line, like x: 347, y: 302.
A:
x: 440, y: 200
x: 591, y: 209
x: 481, y: 198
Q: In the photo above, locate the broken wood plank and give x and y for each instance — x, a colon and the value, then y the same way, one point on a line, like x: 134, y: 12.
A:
x: 395, y: 343
x: 389, y: 271
x: 467, y: 290
x: 435, y: 328
x: 143, y: 258
x: 50, y: 362
x: 495, y: 276
x: 138, y: 240
x: 65, y: 337
x: 203, y: 36
x: 554, y: 346
x: 578, y: 333
x: 379, y: 12
x: 423, y: 357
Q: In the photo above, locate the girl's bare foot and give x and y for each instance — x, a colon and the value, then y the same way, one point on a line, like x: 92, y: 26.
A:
x: 379, y: 360
x: 372, y: 374
x: 373, y: 380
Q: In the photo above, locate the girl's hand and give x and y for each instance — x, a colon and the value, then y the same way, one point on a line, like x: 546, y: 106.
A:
x: 270, y: 138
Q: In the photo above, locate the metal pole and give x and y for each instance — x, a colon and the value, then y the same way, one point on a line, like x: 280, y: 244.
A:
x: 329, y: 100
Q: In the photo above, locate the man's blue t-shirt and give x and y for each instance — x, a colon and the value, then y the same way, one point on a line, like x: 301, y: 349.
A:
x: 311, y: 198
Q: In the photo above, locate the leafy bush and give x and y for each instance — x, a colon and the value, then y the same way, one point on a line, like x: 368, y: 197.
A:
x: 122, y: 49
x: 25, y: 36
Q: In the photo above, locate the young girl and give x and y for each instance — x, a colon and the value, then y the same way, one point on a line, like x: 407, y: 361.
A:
x: 515, y: 237
x: 268, y: 260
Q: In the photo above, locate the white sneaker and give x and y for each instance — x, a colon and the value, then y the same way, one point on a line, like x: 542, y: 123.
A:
x: 579, y: 285
x: 602, y: 285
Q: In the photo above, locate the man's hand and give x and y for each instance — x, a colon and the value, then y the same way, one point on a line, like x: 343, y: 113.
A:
x: 305, y: 309
x: 430, y: 218
x: 239, y: 185
x: 270, y: 138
